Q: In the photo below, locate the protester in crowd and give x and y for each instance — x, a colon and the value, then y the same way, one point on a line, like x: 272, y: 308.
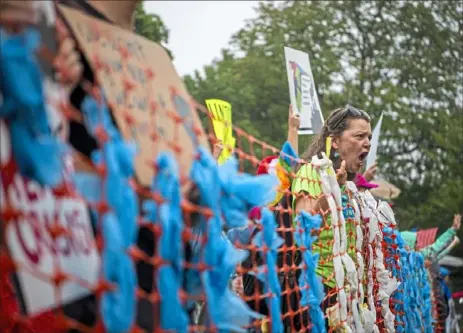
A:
x: 432, y: 251
x: 451, y: 322
x: 350, y: 132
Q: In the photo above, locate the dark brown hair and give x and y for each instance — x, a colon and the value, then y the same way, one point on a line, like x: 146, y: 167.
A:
x: 336, y: 123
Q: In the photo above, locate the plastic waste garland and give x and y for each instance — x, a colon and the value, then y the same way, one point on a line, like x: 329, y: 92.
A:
x: 366, y: 205
x: 37, y: 152
x: 310, y: 284
x: 365, y: 316
x: 119, y: 224
x: 168, y: 215
x: 341, y: 259
x: 399, y: 294
x: 413, y: 297
x: 387, y: 283
x: 420, y: 294
x: 426, y: 298
x: 229, y: 195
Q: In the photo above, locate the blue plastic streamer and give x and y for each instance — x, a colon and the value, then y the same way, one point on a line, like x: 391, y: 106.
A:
x: 169, y: 215
x: 241, y: 192
x: 38, y: 153
x: 225, y: 310
x: 268, y: 274
x: 119, y: 226
x: 288, y: 155
x: 310, y: 283
x: 117, y: 306
x: 414, y: 292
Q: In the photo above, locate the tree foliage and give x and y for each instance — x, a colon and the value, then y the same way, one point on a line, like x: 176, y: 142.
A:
x: 152, y: 27
x: 402, y: 58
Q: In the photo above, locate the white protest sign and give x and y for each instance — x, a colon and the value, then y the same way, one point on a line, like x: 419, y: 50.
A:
x: 31, y: 246
x: 303, y: 95
x: 371, y: 158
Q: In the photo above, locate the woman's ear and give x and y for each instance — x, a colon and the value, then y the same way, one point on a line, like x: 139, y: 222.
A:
x: 334, y: 142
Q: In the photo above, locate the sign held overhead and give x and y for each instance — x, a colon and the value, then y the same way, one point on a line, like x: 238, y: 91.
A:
x: 302, y: 92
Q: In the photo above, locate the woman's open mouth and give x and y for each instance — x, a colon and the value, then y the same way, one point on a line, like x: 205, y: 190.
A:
x: 362, y: 157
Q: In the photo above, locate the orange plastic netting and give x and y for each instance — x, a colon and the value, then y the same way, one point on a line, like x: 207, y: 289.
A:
x: 58, y: 235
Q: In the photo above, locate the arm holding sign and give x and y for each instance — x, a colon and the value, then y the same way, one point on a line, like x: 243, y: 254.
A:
x: 293, y: 126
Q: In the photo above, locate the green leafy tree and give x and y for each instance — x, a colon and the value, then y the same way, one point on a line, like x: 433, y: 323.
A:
x: 152, y: 27
x: 402, y: 58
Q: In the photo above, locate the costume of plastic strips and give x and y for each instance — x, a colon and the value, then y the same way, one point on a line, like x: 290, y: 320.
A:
x: 309, y: 283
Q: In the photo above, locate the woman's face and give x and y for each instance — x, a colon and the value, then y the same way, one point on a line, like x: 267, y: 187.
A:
x: 353, y: 145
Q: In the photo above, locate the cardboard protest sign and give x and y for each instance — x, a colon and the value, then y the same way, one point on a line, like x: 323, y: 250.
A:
x: 302, y: 92
x: 371, y: 158
x: 222, y: 122
x: 148, y: 100
x: 30, y: 243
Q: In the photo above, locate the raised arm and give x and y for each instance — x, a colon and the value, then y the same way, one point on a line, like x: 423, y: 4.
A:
x: 293, y: 127
x: 444, y: 240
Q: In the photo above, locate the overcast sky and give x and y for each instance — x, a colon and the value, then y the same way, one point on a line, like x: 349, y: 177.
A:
x: 200, y: 29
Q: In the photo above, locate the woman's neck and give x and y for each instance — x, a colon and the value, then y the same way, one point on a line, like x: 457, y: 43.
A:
x: 120, y: 13
x: 351, y: 176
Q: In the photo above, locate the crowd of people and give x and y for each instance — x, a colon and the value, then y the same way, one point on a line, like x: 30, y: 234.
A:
x: 359, y: 266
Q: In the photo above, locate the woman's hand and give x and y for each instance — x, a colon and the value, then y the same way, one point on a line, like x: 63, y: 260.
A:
x: 217, y: 149
x: 341, y: 174
x: 456, y: 222
x: 370, y: 173
x: 294, y: 121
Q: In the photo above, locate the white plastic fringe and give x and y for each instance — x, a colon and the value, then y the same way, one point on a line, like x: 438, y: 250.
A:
x: 341, y: 259
x: 378, y: 213
x: 367, y: 311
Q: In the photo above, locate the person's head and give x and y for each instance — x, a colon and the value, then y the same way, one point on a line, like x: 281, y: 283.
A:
x: 350, y: 131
